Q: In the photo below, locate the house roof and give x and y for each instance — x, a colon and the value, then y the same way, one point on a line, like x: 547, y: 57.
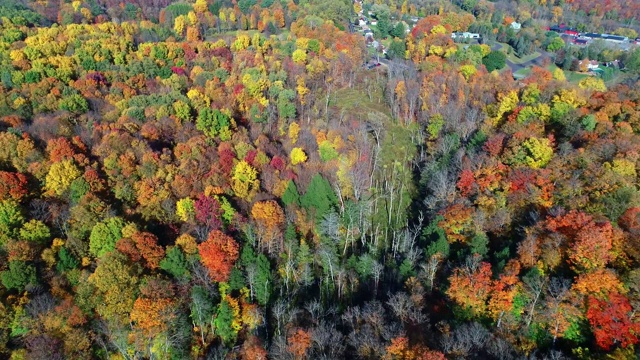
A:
x: 615, y: 37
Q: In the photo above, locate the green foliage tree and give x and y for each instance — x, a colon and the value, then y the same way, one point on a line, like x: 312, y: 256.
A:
x: 633, y: 60
x: 224, y: 322
x: 74, y: 103
x: 319, y: 197
x: 66, y: 261
x: 175, y: 263
x: 286, y: 107
x: 555, y: 44
x: 495, y: 60
x: 212, y: 122
x: 18, y: 276
x: 397, y: 49
x: 104, y: 236
x: 398, y: 31
x: 246, y: 5
x: 258, y: 271
x: 201, y: 308
x: 291, y: 195
x: 116, y: 283
x: 10, y: 219
x: 35, y: 231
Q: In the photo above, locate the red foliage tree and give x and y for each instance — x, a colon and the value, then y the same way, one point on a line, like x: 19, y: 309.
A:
x: 466, y: 182
x: 227, y: 157
x: 610, y: 321
x: 208, y: 212
x: 12, y: 186
x: 278, y: 163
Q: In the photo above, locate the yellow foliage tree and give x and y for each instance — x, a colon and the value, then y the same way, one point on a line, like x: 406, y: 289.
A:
x: 558, y: 74
x: 185, y: 209
x: 193, y: 19
x: 179, y: 25
x: 242, y: 42
x: 298, y: 156
x: 299, y: 56
x: 539, y: 152
x: 467, y: 71
x: 302, y: 89
x: 294, y: 130
x: 302, y: 43
x: 200, y: 6
x: 187, y: 243
x: 623, y: 167
x: 198, y: 99
x: 508, y: 103
x: 61, y: 175
x: 592, y: 83
x: 438, y: 30
x: 244, y: 182
x: 570, y: 97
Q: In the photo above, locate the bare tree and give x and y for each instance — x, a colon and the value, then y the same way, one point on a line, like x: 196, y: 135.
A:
x: 278, y: 310
x: 430, y: 268
x: 534, y: 287
x: 558, y: 291
x: 328, y: 342
x: 403, y: 306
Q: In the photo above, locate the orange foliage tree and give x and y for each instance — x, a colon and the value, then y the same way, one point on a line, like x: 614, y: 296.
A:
x: 142, y: 245
x: 218, y: 254
x: 299, y: 342
x: 471, y: 286
x: 269, y: 218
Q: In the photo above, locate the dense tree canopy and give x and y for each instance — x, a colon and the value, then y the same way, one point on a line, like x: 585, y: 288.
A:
x: 225, y: 179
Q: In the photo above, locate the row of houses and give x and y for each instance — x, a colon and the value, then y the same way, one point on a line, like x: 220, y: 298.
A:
x: 606, y: 37
x: 584, y: 38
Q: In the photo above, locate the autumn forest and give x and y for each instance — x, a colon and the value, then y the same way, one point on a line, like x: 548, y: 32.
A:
x: 319, y: 179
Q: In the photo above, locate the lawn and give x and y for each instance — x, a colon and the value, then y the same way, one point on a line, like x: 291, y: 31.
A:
x: 517, y: 60
x: 522, y: 73
x: 574, y: 77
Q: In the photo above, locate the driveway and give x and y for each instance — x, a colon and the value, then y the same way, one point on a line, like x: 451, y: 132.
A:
x: 527, y: 64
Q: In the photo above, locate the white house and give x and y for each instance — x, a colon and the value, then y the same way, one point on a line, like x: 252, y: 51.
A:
x: 591, y: 64
x: 516, y: 25
x: 465, y: 35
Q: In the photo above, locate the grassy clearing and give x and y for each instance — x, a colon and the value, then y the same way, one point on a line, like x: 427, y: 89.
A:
x: 212, y: 37
x: 355, y: 102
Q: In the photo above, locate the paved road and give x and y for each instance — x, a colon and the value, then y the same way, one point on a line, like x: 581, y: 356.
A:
x: 527, y: 64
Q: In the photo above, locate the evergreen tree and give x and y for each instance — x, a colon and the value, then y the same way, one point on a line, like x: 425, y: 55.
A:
x: 319, y: 198
x: 291, y: 195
